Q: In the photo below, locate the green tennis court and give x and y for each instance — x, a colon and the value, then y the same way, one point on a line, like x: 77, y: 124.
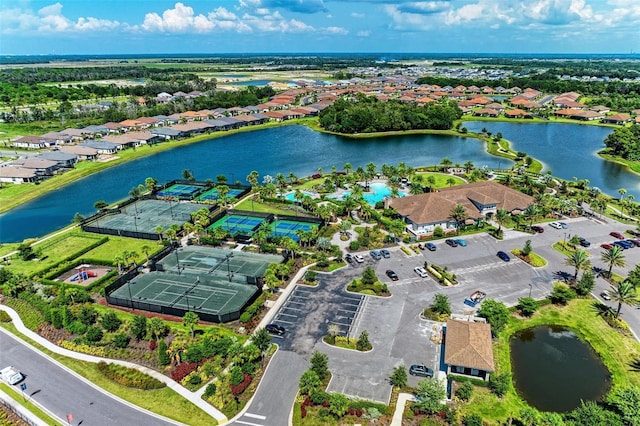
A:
x: 238, y: 224
x: 180, y: 191
x: 289, y: 228
x: 213, y: 195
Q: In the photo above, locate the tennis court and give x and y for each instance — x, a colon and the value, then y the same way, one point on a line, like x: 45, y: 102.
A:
x: 212, y: 194
x: 238, y: 224
x: 236, y: 266
x: 144, y: 216
x: 288, y: 228
x: 212, y: 298
x: 180, y: 191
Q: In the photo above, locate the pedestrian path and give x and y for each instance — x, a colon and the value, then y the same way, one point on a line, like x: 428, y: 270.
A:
x: 193, y: 397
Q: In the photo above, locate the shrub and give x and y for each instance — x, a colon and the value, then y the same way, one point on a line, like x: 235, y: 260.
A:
x: 94, y: 334
x: 499, y: 384
x: 238, y: 389
x: 561, y: 294
x: 4, y: 317
x: 182, y: 370
x: 236, y: 377
x: 527, y: 306
x: 363, y: 343
x: 129, y: 377
x: 195, y: 380
x: 120, y: 340
x: 153, y: 345
x: 163, y: 355
x: 472, y: 420
x: 438, y: 232
x: 209, y: 391
x: 110, y: 321
x: 319, y: 397
x: 320, y: 364
x: 76, y: 327
x: 354, y: 245
x: 465, y: 391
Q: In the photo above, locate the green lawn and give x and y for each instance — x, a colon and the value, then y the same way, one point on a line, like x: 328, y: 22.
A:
x: 260, y: 207
x: 116, y: 245
x: 617, y: 352
x: 163, y: 401
x: 11, y: 391
x: 441, y: 179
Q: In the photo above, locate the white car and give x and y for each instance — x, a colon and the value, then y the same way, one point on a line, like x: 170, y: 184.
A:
x: 11, y: 375
x: 555, y: 225
x: 358, y: 258
x: 420, y: 271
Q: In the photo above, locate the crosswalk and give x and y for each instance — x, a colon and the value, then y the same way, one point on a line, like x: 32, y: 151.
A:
x: 254, y: 418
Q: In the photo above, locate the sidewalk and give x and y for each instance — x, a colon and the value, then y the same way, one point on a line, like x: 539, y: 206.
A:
x: 182, y: 391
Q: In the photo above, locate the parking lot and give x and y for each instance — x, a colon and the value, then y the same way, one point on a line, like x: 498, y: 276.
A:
x: 396, y: 330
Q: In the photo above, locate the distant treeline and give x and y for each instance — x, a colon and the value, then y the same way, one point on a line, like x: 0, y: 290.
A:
x: 368, y: 115
x: 624, y: 142
x: 594, y: 68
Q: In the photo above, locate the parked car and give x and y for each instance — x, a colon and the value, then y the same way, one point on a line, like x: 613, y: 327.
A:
x: 537, y: 228
x: 451, y: 242
x: 564, y: 225
x: 420, y: 370
x: 430, y: 246
x: 627, y: 244
x: 504, y: 256
x: 633, y: 232
x: 420, y: 271
x: 605, y: 295
x: 392, y: 275
x: 375, y: 254
x: 620, y: 244
x: 275, y: 329
x: 635, y: 242
x: 11, y: 375
x: 348, y: 257
x: 461, y: 242
x: 555, y: 225
x: 584, y: 242
x: 358, y: 258
x: 616, y: 234
x: 385, y: 253
x: 606, y: 246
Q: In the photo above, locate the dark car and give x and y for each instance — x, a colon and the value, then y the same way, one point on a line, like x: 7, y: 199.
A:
x: 606, y: 246
x: 430, y: 246
x: 504, y: 256
x: 375, y: 254
x: 420, y: 370
x: 451, y: 242
x: 627, y: 244
x: 584, y: 242
x: 538, y: 229
x: 385, y: 253
x: 617, y: 235
x: 635, y: 242
x: 275, y: 329
x: 620, y: 244
x: 348, y: 257
x: 392, y: 275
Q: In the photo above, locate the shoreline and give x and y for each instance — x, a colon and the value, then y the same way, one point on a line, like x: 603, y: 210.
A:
x: 14, y: 196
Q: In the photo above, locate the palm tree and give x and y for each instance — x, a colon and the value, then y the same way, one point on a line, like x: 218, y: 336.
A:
x: 531, y: 213
x: 468, y: 166
x: 431, y: 180
x: 622, y: 191
x: 501, y: 217
x: 459, y: 214
x: 445, y: 163
x: 348, y: 168
x: 451, y: 181
x: 613, y: 257
x: 624, y: 293
x: 146, y: 249
x: 579, y: 259
x: 119, y: 261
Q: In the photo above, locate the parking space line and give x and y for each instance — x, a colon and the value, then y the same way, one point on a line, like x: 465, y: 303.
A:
x: 287, y: 315
x: 285, y: 322
x: 293, y: 309
x: 357, y: 317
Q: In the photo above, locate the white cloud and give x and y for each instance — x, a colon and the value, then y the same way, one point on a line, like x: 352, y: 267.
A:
x: 336, y: 30
x: 357, y: 15
x: 364, y: 33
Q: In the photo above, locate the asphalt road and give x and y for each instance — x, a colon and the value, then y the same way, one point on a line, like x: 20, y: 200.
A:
x: 62, y: 392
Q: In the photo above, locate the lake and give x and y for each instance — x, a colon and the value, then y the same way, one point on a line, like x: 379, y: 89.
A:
x: 553, y: 370
x: 568, y: 150
x: 283, y: 149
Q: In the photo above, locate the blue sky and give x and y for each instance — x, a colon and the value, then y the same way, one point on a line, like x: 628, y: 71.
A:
x: 289, y: 26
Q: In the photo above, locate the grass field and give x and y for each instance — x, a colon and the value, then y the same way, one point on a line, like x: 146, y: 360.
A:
x: 617, y: 352
x: 260, y: 207
x: 441, y: 179
x: 116, y: 245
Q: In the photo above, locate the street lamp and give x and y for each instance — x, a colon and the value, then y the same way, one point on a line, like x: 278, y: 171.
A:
x: 564, y: 242
x: 530, y: 288
x: 228, y: 259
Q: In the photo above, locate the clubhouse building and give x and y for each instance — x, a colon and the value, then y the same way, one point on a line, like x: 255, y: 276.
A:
x: 480, y: 200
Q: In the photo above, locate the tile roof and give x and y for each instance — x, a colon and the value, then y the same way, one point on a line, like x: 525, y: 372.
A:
x: 468, y: 344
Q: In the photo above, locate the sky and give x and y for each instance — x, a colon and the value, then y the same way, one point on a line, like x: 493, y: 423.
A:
x: 35, y: 27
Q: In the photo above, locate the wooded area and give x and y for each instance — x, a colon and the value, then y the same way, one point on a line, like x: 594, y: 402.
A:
x: 624, y: 142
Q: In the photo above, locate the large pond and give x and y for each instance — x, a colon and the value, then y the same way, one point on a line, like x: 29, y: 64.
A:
x: 553, y: 370
x: 568, y: 150
x: 282, y: 149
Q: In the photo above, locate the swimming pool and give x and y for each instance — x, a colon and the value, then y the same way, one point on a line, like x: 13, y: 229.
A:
x: 291, y: 196
x: 379, y: 191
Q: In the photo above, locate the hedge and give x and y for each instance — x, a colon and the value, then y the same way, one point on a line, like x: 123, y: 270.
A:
x: 253, y: 309
x: 463, y: 379
x: 129, y: 377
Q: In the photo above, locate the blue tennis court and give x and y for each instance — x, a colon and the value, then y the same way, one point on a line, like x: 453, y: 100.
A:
x: 213, y: 195
x: 238, y: 224
x: 179, y: 191
x: 289, y: 228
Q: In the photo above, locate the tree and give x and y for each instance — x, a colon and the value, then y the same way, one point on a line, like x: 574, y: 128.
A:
x: 496, y: 313
x: 627, y: 401
x: 591, y: 413
x: 579, y: 259
x: 100, y: 204
x: 459, y: 215
x: 309, y: 382
x: 472, y: 419
x: 501, y: 217
x: 110, y: 321
x: 150, y: 184
x: 94, y: 334
x: 529, y: 416
x: 585, y: 284
x: 430, y: 394
x: 441, y: 304
x: 445, y: 163
x: 163, y: 353
x: 188, y: 175
x: 623, y: 294
x: 138, y: 327
x: 527, y: 249
x: 190, y: 320
x: 499, y: 384
x: 320, y: 364
x: 399, y: 377
x: 468, y: 166
x: 465, y: 391
x: 613, y: 257
x: 262, y: 339
x: 252, y: 178
x: 451, y: 181
x: 369, y: 276
x: 527, y: 305
x: 155, y: 327
x: 363, y: 343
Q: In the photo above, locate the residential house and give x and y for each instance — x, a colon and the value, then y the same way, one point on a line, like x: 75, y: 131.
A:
x: 166, y: 133
x: 617, y: 119
x: 18, y: 175
x: 41, y: 166
x: 468, y: 349
x: 81, y: 152
x: 102, y: 146
x: 64, y: 159
x: 33, y: 142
